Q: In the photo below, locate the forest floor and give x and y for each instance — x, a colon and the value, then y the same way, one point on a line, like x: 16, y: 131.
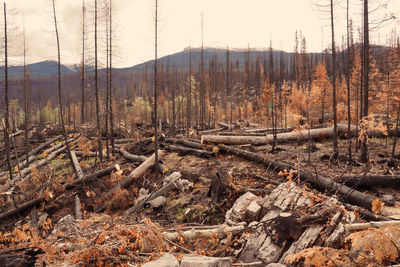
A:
x: 256, y: 214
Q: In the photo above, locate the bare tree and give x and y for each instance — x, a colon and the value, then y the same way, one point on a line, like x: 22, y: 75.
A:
x: 155, y: 84
x: 7, y: 112
x: 26, y: 101
x: 107, y: 83
x: 348, y: 67
x: 110, y: 50
x: 334, y: 102
x: 100, y: 145
x: 83, y: 65
x: 202, y: 81
x: 189, y: 93
x: 364, y: 146
x: 59, y: 91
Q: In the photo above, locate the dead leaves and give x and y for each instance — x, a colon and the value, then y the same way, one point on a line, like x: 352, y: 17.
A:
x: 377, y: 205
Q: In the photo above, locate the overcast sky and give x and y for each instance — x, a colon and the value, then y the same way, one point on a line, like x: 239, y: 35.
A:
x: 233, y: 23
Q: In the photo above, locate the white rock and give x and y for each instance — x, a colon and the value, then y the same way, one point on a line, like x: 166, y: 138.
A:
x: 166, y: 260
x: 253, y: 211
x: 238, y: 211
x: 188, y: 261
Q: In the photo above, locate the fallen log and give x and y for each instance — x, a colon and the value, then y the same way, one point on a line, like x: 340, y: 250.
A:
x: 165, y: 189
x: 366, y: 213
x: 42, y: 146
x: 205, y: 132
x: 90, y: 154
x: 347, y: 193
x: 187, y: 150
x: 365, y: 226
x: 240, y: 134
x: 38, y: 164
x: 220, y: 231
x: 135, y: 174
x: 223, y: 124
x: 16, y: 133
x: 282, y: 137
x: 90, y: 177
x: 161, y: 167
x: 268, y: 130
x: 26, y: 205
x: 371, y: 180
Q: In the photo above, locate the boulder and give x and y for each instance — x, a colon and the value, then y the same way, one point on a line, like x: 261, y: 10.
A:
x: 167, y: 260
x: 240, y: 211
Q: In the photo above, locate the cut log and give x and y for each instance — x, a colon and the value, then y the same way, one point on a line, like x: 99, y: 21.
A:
x: 161, y: 167
x: 205, y: 132
x: 315, y: 134
x: 365, y: 226
x: 269, y: 130
x: 91, y: 154
x: 371, y: 180
x: 90, y: 177
x: 219, y: 231
x: 165, y: 189
x: 223, y: 124
x: 366, y: 214
x: 77, y: 167
x: 136, y: 173
x: 186, y: 150
x: 54, y: 148
x: 38, y: 164
x: 347, y: 193
x: 42, y: 146
x: 240, y: 134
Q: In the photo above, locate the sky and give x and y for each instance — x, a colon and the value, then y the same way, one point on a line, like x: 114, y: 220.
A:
x: 233, y: 23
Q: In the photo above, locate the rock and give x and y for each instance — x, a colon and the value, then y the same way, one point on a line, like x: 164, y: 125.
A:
x: 66, y: 225
x: 156, y: 203
x: 167, y: 260
x: 202, y: 261
x: 253, y: 211
x: 239, y: 210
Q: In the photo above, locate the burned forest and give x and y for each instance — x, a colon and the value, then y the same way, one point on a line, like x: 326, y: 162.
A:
x: 201, y: 154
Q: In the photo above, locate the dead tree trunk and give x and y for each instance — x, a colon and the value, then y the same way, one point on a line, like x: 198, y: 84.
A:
x: 100, y: 148
x: 59, y: 90
x: 298, y: 136
x: 7, y: 122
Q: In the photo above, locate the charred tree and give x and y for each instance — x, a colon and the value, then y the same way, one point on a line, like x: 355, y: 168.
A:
x: 364, y: 146
x: 99, y: 133
x: 6, y: 125
x: 64, y: 132
x: 83, y: 65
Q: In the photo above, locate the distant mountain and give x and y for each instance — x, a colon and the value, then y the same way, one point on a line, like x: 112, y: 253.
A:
x: 49, y: 68
x: 40, y: 69
x: 179, y: 58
